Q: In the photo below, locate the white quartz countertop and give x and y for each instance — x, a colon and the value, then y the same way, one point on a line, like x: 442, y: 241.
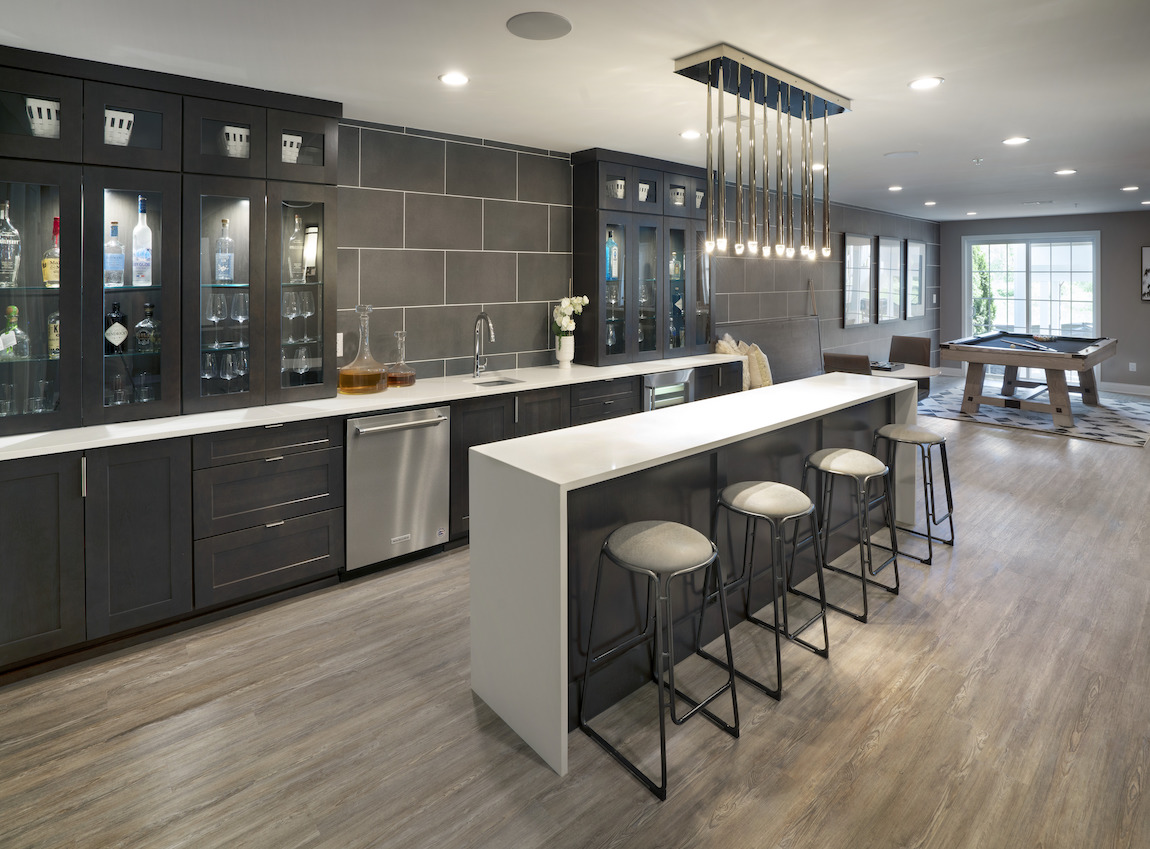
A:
x: 599, y: 451
x: 426, y: 391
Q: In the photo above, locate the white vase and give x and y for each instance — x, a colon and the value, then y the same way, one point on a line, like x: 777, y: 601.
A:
x: 564, y: 350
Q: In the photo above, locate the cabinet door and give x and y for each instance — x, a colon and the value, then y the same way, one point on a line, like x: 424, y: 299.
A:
x: 138, y: 532
x: 302, y: 148
x: 699, y: 328
x: 685, y: 197
x: 299, y: 308
x: 41, y: 116
x: 647, y: 327
x: 128, y: 374
x: 688, y: 314
x: 42, y: 569
x: 131, y: 127
x: 541, y: 410
x: 228, y: 139
x: 40, y: 294
x: 473, y: 422
x: 223, y: 339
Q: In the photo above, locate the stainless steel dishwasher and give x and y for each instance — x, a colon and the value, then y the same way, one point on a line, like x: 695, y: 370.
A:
x: 397, y: 484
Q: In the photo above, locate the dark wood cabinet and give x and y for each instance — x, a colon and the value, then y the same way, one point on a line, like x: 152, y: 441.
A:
x: 41, y: 115
x: 475, y: 421
x: 131, y: 127
x: 605, y: 399
x: 228, y: 139
x: 721, y: 379
x: 541, y: 410
x: 302, y: 148
x: 138, y: 535
x: 42, y: 567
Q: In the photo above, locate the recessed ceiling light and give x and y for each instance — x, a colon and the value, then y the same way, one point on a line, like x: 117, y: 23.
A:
x: 924, y: 83
x: 538, y: 26
x: 929, y: 203
x: 1016, y: 140
x: 895, y: 189
x: 972, y: 213
x: 1129, y: 188
x: 1065, y: 172
x: 453, y: 78
x: 690, y: 135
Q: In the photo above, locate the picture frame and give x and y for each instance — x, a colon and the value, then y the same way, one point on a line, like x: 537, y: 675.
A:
x: 915, y: 299
x: 858, y: 285
x: 1146, y: 273
x: 889, y: 280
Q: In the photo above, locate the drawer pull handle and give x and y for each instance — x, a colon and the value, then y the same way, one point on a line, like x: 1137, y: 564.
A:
x: 272, y: 459
x: 270, y: 426
x: 605, y: 403
x: 275, y: 524
x: 363, y: 431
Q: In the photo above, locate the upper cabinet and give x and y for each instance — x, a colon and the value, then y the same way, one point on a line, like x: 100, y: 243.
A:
x: 40, y: 116
x: 223, y: 138
x: 302, y: 148
x: 131, y: 127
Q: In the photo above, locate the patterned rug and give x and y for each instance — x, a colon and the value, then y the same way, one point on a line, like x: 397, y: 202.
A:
x: 1119, y: 421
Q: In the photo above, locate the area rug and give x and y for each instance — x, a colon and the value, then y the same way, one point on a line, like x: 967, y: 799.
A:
x: 1119, y: 421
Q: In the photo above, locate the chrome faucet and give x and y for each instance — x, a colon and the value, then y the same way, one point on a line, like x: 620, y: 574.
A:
x: 479, y: 319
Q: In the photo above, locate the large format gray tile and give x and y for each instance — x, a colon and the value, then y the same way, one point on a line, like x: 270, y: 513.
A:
x: 401, y: 278
x: 450, y: 223
x: 509, y: 226
x: 347, y: 294
x: 441, y: 332
x: 560, y: 229
x: 520, y: 327
x: 348, y: 171
x: 544, y: 277
x: 480, y: 277
x: 544, y: 179
x: 397, y: 161
x: 369, y: 218
x: 728, y: 274
x: 382, y: 325
x: 480, y: 171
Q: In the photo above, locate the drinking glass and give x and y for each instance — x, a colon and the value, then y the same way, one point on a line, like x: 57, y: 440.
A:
x: 307, y: 310
x: 302, y: 363
x: 241, y: 370
x: 217, y: 311
x: 240, y: 312
x: 291, y: 312
x: 228, y: 370
x: 208, y: 366
x: 6, y: 393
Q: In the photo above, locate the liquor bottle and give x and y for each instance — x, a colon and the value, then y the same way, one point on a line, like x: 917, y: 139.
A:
x: 115, y: 330
x: 612, y: 257
x: 147, y: 332
x: 676, y: 266
x: 9, y: 251
x: 13, y: 341
x: 114, y: 259
x: 50, y: 264
x: 54, y: 336
x: 295, y: 253
x: 225, y: 256
x: 142, y: 248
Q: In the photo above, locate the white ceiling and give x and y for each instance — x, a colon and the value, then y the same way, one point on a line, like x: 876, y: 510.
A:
x: 1070, y: 74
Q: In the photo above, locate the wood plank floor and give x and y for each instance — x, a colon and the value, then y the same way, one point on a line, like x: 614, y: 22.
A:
x: 1002, y: 700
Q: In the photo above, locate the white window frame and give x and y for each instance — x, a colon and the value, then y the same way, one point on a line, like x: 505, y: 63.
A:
x: 1093, y: 236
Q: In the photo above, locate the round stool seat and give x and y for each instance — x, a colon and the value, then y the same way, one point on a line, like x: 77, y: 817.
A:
x: 658, y: 546
x: 765, y: 498
x: 910, y: 433
x: 847, y: 461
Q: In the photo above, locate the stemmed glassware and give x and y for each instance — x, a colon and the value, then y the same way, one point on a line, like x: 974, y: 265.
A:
x: 207, y: 368
x: 291, y: 312
x: 228, y: 370
x: 240, y: 313
x: 216, y: 312
x: 302, y: 363
x: 307, y: 310
x: 241, y: 366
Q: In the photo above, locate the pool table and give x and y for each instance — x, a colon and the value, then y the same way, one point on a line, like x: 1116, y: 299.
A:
x: 1056, y: 355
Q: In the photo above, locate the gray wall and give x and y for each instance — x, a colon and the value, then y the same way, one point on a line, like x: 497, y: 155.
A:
x: 1124, y: 315
x: 435, y: 228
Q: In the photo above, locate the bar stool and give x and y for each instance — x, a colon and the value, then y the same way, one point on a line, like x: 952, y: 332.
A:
x: 660, y: 551
x: 923, y: 440
x: 776, y: 504
x: 862, y: 468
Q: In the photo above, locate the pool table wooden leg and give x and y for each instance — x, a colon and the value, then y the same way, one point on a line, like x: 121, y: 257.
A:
x: 1087, y: 380
x: 1010, y: 380
x: 1059, y: 397
x: 973, y: 390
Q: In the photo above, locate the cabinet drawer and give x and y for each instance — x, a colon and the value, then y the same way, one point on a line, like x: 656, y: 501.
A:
x: 260, y: 560
x: 242, y: 495
x: 258, y: 443
x: 609, y: 408
x: 598, y: 390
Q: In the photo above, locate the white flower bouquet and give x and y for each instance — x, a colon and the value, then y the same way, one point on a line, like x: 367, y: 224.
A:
x: 563, y: 316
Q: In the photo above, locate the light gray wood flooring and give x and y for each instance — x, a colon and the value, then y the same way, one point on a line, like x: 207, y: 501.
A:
x: 1002, y: 700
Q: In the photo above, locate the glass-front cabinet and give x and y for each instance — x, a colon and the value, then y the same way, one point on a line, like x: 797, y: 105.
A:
x: 131, y: 295
x: 39, y: 296
x: 40, y: 115
x: 131, y: 127
x: 224, y: 138
x: 223, y: 259
x: 688, y: 312
x: 300, y: 302
x: 301, y: 148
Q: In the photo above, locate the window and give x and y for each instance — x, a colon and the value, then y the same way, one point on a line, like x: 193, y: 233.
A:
x: 1043, y: 284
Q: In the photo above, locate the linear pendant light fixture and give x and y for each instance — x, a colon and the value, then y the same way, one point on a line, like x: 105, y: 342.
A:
x: 730, y: 71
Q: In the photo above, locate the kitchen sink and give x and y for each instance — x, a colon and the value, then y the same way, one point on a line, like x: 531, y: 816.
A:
x: 497, y: 381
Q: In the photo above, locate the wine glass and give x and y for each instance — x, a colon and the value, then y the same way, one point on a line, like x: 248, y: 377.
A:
x: 240, y: 312
x: 302, y: 363
x: 228, y: 370
x: 207, y: 368
x: 307, y: 310
x: 291, y: 312
x: 241, y: 369
x: 217, y: 311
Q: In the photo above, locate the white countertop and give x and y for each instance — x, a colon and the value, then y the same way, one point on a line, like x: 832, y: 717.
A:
x: 434, y: 390
x: 617, y: 447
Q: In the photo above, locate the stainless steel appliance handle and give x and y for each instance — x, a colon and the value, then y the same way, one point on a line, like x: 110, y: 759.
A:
x: 361, y: 431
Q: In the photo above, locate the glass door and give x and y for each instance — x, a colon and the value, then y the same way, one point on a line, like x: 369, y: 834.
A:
x: 40, y: 116
x: 649, y: 287
x: 223, y: 293
x: 678, y: 275
x: 300, y: 300
x: 700, y: 263
x: 39, y: 296
x: 131, y: 295
x: 614, y: 279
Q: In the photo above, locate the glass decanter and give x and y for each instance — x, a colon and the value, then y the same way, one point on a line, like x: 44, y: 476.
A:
x: 363, y: 375
x: 400, y: 373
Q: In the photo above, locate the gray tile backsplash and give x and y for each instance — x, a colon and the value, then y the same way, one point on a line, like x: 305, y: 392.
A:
x: 399, y: 161
x: 483, y: 172
x: 480, y: 277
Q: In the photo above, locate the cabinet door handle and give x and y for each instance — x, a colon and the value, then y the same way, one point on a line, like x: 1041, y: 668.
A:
x: 516, y: 409
x: 275, y: 524
x: 83, y: 477
x: 272, y: 459
x: 270, y: 426
x: 608, y: 403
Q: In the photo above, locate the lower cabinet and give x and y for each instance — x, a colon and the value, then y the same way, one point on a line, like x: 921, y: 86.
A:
x: 138, y: 535
x: 719, y: 379
x: 605, y: 399
x: 42, y: 565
